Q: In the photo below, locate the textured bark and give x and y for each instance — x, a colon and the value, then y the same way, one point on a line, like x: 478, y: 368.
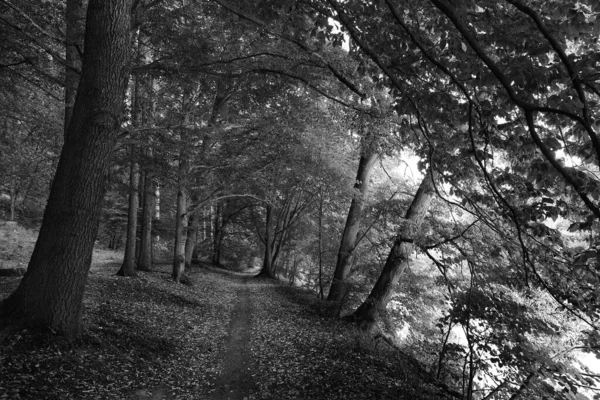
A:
x: 51, y: 292
x: 143, y: 115
x: 13, y: 200
x: 268, y: 267
x: 321, y: 294
x: 128, y: 267
x: 140, y: 196
x: 191, y: 241
x: 397, y: 261
x: 181, y: 223
x: 218, y: 234
x: 181, y: 216
x: 75, y: 21
x: 130, y: 257
x: 349, y: 236
x: 145, y: 257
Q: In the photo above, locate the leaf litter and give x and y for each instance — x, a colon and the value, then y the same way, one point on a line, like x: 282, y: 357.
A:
x: 149, y: 338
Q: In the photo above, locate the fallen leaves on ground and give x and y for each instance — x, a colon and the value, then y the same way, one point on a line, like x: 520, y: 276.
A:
x: 150, y: 338
x: 300, y: 353
x: 140, y: 336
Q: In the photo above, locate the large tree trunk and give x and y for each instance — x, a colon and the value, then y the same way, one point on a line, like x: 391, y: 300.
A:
x: 75, y: 20
x: 128, y: 266
x: 348, y: 244
x: 145, y: 257
x: 268, y: 268
x: 398, y: 259
x: 51, y: 292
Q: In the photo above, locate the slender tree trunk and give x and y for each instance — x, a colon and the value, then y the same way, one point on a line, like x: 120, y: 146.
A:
x: 348, y: 244
x: 321, y: 295
x: 140, y: 207
x: 397, y: 261
x: 157, y: 200
x: 51, y: 292
x: 129, y: 259
x: 181, y: 224
x: 278, y: 246
x: 267, y: 269
x: 75, y: 21
x: 203, y: 224
x: 181, y: 216
x: 191, y: 241
x: 145, y: 259
x: 218, y: 234
x: 128, y: 267
x: 13, y: 200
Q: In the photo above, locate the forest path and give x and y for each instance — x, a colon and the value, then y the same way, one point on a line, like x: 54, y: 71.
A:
x: 227, y: 336
x: 236, y: 381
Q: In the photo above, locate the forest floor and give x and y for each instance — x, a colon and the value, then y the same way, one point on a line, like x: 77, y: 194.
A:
x: 227, y: 336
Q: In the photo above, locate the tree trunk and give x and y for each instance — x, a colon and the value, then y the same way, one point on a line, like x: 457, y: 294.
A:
x: 181, y: 216
x: 181, y: 223
x: 191, y: 240
x: 140, y: 207
x: 75, y: 21
x: 217, y: 235
x: 51, y: 292
x: 13, y: 200
x: 398, y: 259
x: 267, y: 269
x: 345, y: 254
x: 129, y: 259
x: 321, y: 295
x: 145, y: 259
x: 128, y: 266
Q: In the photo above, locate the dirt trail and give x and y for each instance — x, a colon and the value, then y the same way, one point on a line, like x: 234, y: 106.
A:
x: 236, y: 382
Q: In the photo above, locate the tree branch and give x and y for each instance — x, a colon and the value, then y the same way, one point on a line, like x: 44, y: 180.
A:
x: 338, y: 74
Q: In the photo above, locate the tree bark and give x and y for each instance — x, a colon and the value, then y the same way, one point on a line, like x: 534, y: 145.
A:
x: 146, y: 240
x: 349, y: 236
x: 267, y: 269
x: 129, y: 259
x: 51, y: 292
x: 191, y: 241
x: 397, y: 261
x: 13, y: 200
x: 181, y: 224
x: 320, y: 247
x: 75, y: 21
x: 218, y: 235
x: 181, y: 216
x: 128, y: 267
